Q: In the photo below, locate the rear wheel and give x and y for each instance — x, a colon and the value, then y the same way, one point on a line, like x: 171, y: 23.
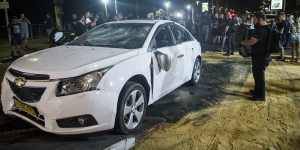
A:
x: 196, y: 73
x: 131, y: 108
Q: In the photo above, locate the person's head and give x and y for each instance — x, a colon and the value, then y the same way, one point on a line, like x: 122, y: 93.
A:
x: 216, y: 15
x: 48, y: 15
x: 260, y: 18
x: 298, y: 19
x: 22, y: 16
x: 291, y: 17
x: 87, y: 14
x: 74, y: 16
x: 294, y: 29
x: 282, y: 16
x: 14, y: 19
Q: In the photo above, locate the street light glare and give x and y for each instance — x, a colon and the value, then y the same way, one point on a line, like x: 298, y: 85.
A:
x: 167, y: 4
x: 179, y: 15
x: 188, y: 7
x: 105, y: 1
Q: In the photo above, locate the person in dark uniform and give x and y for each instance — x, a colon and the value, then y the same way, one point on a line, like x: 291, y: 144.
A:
x: 16, y: 35
x: 259, y: 42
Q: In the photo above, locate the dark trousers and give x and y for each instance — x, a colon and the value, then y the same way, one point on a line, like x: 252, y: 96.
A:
x: 230, y: 43
x: 258, y: 70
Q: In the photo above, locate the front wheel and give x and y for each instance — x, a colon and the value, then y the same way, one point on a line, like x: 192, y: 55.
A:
x: 131, y: 108
x: 196, y: 73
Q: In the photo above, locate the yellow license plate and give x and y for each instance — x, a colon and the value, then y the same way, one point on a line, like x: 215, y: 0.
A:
x: 23, y: 107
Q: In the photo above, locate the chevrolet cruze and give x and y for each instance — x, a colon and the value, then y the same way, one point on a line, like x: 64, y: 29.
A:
x: 104, y: 79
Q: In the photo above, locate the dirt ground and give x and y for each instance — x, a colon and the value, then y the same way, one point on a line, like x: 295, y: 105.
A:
x: 236, y: 122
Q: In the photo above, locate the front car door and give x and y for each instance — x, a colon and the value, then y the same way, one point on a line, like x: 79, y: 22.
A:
x: 166, y: 65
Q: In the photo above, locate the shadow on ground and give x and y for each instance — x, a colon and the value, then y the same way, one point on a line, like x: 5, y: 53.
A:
x: 215, y: 77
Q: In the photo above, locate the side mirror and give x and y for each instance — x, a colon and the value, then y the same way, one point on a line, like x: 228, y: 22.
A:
x: 58, y: 36
x: 164, y: 62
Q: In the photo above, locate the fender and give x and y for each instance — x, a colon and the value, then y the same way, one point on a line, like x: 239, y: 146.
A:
x: 116, y: 78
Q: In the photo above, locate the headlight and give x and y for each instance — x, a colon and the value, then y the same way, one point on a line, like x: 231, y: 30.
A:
x: 84, y: 83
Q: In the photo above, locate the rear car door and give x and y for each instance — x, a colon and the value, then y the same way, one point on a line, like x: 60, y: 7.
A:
x: 185, y: 44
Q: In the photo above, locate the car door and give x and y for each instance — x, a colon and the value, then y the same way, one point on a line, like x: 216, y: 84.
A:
x: 185, y: 45
x: 166, y: 64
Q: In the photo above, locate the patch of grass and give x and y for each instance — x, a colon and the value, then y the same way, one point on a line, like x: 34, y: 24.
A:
x: 34, y: 44
x: 238, y: 123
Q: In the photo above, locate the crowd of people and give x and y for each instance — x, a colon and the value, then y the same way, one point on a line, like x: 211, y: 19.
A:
x: 222, y: 29
x: 253, y: 34
x: 82, y: 23
x: 226, y: 28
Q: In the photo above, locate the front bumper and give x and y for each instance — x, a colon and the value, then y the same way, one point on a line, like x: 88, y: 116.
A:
x: 99, y: 104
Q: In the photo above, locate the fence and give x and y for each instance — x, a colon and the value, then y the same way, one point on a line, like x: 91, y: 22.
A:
x: 36, y: 31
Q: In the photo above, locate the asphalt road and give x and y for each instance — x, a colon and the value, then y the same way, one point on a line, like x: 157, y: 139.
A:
x: 15, y: 134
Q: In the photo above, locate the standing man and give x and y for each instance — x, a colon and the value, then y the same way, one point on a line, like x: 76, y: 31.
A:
x: 259, y: 42
x: 230, y: 34
x: 25, y: 23
x: 17, y: 50
x: 49, y: 24
x: 280, y: 28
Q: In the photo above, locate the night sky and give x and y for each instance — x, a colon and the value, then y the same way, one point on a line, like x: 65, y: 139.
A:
x: 36, y: 9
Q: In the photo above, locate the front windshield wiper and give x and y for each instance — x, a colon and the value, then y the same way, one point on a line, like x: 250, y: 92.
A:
x: 104, y: 45
x: 81, y: 43
x: 88, y: 43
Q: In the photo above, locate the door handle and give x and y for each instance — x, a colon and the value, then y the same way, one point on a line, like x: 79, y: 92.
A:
x: 180, y: 56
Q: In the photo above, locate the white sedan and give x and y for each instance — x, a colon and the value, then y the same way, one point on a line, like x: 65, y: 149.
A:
x: 103, y: 80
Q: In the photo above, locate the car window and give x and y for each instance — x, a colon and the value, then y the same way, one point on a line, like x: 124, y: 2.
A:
x: 116, y: 35
x: 163, y: 38
x: 180, y: 34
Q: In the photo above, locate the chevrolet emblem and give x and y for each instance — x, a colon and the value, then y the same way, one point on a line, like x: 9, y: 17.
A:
x: 20, y: 82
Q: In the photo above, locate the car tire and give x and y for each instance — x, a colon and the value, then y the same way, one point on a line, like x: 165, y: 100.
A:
x: 131, y: 112
x: 196, y: 75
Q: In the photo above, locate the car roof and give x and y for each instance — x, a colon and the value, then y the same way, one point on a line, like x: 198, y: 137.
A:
x: 143, y: 21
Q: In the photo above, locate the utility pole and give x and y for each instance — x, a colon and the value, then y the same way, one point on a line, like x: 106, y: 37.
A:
x: 116, y: 7
x: 284, y: 5
x: 105, y: 2
x: 106, y: 11
x: 136, y: 8
x: 5, y: 5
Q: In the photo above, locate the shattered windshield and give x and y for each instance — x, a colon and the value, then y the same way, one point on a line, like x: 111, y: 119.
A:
x: 116, y: 35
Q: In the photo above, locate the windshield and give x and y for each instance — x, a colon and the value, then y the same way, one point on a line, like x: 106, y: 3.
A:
x: 116, y: 35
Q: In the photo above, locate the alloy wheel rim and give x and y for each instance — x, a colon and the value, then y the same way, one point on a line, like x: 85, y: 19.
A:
x: 134, y: 109
x: 197, y: 72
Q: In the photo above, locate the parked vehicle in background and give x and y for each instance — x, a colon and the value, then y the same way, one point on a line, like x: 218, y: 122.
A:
x: 103, y: 80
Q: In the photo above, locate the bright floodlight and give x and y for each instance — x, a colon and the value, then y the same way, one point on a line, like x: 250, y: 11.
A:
x: 167, y: 4
x: 105, y: 1
x: 179, y: 15
x: 188, y: 7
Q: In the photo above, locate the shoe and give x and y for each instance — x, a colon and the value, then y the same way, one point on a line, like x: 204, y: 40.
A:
x: 256, y: 98
x: 281, y: 59
x: 252, y: 92
x: 227, y: 54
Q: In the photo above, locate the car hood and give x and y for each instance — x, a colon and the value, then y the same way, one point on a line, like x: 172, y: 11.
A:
x: 68, y: 61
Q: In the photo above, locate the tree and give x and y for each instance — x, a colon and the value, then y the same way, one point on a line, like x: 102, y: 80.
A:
x: 59, y: 13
